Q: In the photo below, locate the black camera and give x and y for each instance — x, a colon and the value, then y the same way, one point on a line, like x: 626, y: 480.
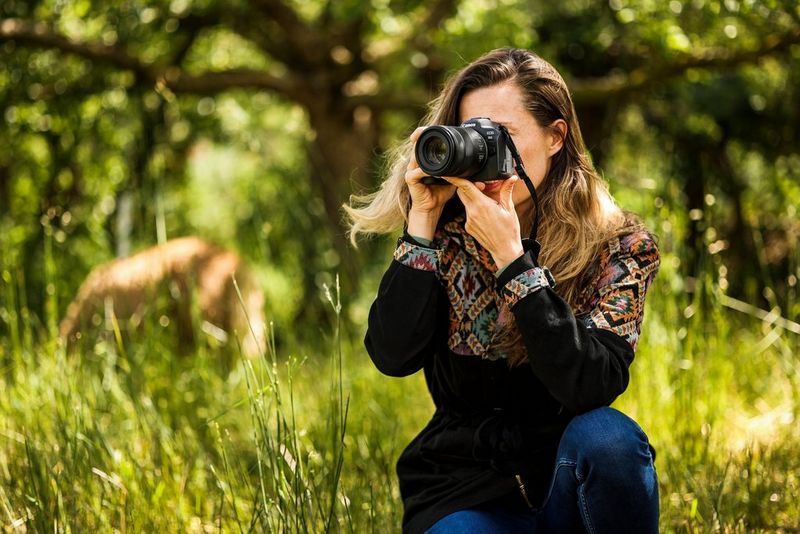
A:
x: 478, y: 150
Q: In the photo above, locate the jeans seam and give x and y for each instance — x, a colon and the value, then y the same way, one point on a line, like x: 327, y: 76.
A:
x: 559, y: 465
x: 587, y: 517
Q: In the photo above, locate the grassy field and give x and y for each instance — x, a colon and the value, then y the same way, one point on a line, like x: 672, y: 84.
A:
x: 129, y: 437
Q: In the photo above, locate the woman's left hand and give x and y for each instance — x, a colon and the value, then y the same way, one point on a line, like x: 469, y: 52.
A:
x: 492, y: 220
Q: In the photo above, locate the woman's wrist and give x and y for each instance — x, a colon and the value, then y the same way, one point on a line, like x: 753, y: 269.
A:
x: 502, y: 260
x: 422, y: 223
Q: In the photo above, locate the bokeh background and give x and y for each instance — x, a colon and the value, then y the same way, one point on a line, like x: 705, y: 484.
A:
x: 249, y: 123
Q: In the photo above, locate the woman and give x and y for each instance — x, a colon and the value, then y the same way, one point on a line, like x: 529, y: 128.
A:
x: 521, y: 372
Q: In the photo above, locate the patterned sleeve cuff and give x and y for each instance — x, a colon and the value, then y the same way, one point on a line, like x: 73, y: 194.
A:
x: 524, y: 284
x: 416, y: 256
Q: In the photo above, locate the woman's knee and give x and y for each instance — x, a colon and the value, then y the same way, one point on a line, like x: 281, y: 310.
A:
x: 607, y: 437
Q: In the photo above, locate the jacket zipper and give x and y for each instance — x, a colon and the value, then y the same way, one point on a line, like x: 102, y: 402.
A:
x: 523, y: 492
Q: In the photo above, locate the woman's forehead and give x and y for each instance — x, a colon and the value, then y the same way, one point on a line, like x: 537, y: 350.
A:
x: 502, y: 103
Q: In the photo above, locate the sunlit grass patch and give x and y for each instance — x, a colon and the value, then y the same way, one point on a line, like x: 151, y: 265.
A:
x: 127, y: 435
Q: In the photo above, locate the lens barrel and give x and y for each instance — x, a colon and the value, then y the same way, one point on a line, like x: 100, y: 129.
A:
x: 451, y: 151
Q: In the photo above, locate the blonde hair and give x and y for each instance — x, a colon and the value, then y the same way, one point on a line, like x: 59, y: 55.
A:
x: 577, y: 213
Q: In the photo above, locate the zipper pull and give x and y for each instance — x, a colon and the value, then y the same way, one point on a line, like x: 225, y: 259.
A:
x: 523, y: 492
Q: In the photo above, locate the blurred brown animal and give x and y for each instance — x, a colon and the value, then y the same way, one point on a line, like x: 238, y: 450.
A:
x: 193, y: 275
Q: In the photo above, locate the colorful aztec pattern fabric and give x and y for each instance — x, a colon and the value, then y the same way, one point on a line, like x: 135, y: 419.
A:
x: 629, y: 265
x: 417, y: 257
x: 523, y: 285
x: 480, y: 313
x: 467, y: 270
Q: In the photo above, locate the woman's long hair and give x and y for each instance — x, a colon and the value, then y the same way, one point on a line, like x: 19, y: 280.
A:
x: 577, y: 213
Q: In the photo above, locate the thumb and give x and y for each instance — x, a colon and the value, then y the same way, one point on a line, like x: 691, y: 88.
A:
x: 466, y: 189
x: 507, y: 192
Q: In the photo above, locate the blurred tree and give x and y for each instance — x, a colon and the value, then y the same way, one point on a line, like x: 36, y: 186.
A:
x: 104, y: 99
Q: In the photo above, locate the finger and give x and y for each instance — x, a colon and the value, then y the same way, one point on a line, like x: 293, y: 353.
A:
x: 464, y: 200
x: 507, y: 192
x: 412, y: 160
x: 416, y: 133
x: 469, y: 190
x: 415, y: 175
x: 459, y: 182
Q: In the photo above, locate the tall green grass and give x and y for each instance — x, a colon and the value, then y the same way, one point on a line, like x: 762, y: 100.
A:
x: 125, y: 435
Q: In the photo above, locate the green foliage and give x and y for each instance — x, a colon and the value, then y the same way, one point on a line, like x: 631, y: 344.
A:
x: 108, y: 150
x: 112, y: 436
x: 690, y: 108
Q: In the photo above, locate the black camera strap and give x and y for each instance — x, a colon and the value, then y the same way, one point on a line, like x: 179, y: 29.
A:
x: 530, y: 244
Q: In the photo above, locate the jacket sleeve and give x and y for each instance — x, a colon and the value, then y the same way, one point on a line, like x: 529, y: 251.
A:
x: 582, y: 362
x: 402, y: 320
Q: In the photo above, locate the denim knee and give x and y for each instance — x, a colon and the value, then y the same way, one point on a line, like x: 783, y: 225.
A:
x: 606, y: 439
x: 604, y: 479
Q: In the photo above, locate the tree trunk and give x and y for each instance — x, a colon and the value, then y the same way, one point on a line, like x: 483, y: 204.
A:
x: 742, y: 257
x: 5, y: 188
x: 597, y: 121
x: 690, y: 168
x: 341, y: 161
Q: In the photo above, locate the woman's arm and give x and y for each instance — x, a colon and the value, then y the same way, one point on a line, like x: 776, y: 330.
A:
x: 584, y: 364
x: 403, y: 317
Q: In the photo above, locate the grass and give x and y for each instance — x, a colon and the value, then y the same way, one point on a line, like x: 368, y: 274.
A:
x: 129, y: 437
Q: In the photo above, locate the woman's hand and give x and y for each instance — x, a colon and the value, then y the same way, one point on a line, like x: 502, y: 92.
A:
x: 492, y: 220
x: 427, y: 201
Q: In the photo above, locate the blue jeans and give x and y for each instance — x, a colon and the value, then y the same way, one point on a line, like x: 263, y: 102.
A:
x: 604, y: 481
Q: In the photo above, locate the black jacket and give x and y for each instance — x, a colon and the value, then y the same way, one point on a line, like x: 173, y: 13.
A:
x: 495, y: 428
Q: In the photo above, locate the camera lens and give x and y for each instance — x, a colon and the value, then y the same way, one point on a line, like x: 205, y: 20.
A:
x: 450, y: 151
x: 436, y: 150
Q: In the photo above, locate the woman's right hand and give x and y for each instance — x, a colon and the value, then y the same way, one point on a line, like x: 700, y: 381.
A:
x: 427, y: 201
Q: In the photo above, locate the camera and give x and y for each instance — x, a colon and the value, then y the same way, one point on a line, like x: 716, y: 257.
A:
x: 478, y: 150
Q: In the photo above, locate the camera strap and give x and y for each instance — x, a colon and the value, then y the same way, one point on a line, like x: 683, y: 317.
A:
x: 530, y: 244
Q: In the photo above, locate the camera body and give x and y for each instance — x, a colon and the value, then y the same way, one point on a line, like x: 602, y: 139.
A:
x: 478, y: 150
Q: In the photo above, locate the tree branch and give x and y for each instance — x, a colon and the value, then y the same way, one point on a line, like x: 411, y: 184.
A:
x: 596, y: 90
x: 584, y: 91
x: 171, y: 77
x: 281, y: 13
x: 420, y: 41
x: 600, y: 90
x: 301, y: 37
x: 39, y: 35
x: 190, y: 27
x: 438, y: 13
x: 216, y: 82
x: 414, y: 100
